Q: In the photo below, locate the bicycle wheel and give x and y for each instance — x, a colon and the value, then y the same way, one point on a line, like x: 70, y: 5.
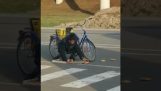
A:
x: 89, y: 50
x: 26, y: 55
x: 53, y: 49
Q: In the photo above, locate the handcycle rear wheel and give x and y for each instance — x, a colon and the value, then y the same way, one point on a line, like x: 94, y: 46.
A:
x: 89, y: 50
x: 53, y: 49
x: 26, y: 55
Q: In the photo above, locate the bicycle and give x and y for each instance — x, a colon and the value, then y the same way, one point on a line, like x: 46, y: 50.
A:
x: 28, y: 48
x: 86, y: 45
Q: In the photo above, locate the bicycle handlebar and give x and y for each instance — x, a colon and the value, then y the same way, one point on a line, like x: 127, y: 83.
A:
x: 80, y: 25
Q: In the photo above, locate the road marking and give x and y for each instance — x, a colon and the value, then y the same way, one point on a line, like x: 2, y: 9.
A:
x: 154, y: 54
x: 58, y: 61
x: 92, y: 79
x: 107, y: 47
x: 97, y: 45
x: 5, y: 47
x: 10, y: 83
x: 80, y: 63
x: 100, y: 66
x: 10, y: 44
x: 60, y: 74
x: 141, y: 49
x: 44, y: 67
x: 115, y: 89
x: 47, y: 43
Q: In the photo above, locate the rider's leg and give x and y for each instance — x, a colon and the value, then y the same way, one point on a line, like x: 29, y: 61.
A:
x: 62, y: 51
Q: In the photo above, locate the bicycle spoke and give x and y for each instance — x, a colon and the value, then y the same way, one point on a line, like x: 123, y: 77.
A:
x: 26, y: 56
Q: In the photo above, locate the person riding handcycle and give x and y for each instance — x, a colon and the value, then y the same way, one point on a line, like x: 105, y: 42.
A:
x: 69, y: 45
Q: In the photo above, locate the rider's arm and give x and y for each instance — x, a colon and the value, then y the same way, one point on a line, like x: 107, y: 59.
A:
x: 79, y: 52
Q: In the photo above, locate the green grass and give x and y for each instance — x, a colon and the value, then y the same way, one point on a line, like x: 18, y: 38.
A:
x: 50, y: 21
x: 18, y: 6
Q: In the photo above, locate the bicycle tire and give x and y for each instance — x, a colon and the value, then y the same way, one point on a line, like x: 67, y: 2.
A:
x: 91, y: 59
x: 53, y: 49
x: 29, y: 70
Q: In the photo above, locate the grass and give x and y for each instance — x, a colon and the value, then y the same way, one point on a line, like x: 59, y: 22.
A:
x: 52, y: 14
x: 18, y: 6
x: 50, y: 21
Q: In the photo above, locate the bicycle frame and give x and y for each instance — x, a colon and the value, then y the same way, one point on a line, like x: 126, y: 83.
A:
x: 83, y: 37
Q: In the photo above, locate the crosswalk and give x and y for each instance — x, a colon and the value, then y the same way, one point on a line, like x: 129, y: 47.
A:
x: 79, y: 83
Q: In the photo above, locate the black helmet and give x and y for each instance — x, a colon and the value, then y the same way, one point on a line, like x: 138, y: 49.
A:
x: 72, y: 36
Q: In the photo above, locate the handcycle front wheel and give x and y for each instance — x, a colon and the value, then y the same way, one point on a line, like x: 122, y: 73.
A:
x: 26, y: 55
x: 53, y: 49
x: 89, y: 50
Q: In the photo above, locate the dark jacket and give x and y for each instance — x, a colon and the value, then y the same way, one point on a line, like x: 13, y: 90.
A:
x: 64, y: 47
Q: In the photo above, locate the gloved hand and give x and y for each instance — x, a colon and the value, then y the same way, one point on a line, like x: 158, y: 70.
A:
x: 70, y: 61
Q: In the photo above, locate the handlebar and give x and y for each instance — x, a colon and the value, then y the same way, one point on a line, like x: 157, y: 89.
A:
x: 81, y: 25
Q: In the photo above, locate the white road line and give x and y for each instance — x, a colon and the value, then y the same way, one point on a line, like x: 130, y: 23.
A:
x: 108, y: 47
x: 92, y: 79
x: 5, y: 47
x: 150, y: 54
x: 80, y: 63
x: 141, y: 49
x: 44, y: 67
x: 58, y: 61
x: 8, y: 44
x: 60, y: 74
x: 47, y: 43
x: 98, y: 45
x: 115, y: 89
x: 100, y: 66
x: 10, y: 83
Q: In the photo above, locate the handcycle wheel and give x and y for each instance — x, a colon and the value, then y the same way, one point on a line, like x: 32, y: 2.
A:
x: 53, y: 49
x: 89, y: 50
x: 26, y: 55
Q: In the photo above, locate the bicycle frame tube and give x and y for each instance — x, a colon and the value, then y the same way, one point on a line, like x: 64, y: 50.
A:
x: 84, y: 36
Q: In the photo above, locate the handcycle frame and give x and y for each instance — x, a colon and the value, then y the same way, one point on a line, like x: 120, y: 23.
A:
x: 35, y: 41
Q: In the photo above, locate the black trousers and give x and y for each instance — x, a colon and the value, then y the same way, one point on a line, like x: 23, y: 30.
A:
x: 63, y: 50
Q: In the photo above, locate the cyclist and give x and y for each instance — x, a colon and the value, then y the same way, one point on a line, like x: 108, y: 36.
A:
x: 69, y: 45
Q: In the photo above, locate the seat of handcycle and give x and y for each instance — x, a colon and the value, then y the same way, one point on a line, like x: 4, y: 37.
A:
x: 63, y: 32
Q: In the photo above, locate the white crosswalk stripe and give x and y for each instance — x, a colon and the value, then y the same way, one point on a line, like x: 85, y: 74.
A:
x: 44, y: 67
x: 60, y: 74
x: 92, y: 79
x: 81, y: 82
x: 115, y: 89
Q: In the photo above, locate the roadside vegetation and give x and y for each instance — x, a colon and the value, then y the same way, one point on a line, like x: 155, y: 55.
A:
x: 18, y: 6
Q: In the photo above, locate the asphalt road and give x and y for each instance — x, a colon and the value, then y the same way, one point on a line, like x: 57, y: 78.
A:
x: 141, y: 58
x: 10, y: 76
x: 96, y: 76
